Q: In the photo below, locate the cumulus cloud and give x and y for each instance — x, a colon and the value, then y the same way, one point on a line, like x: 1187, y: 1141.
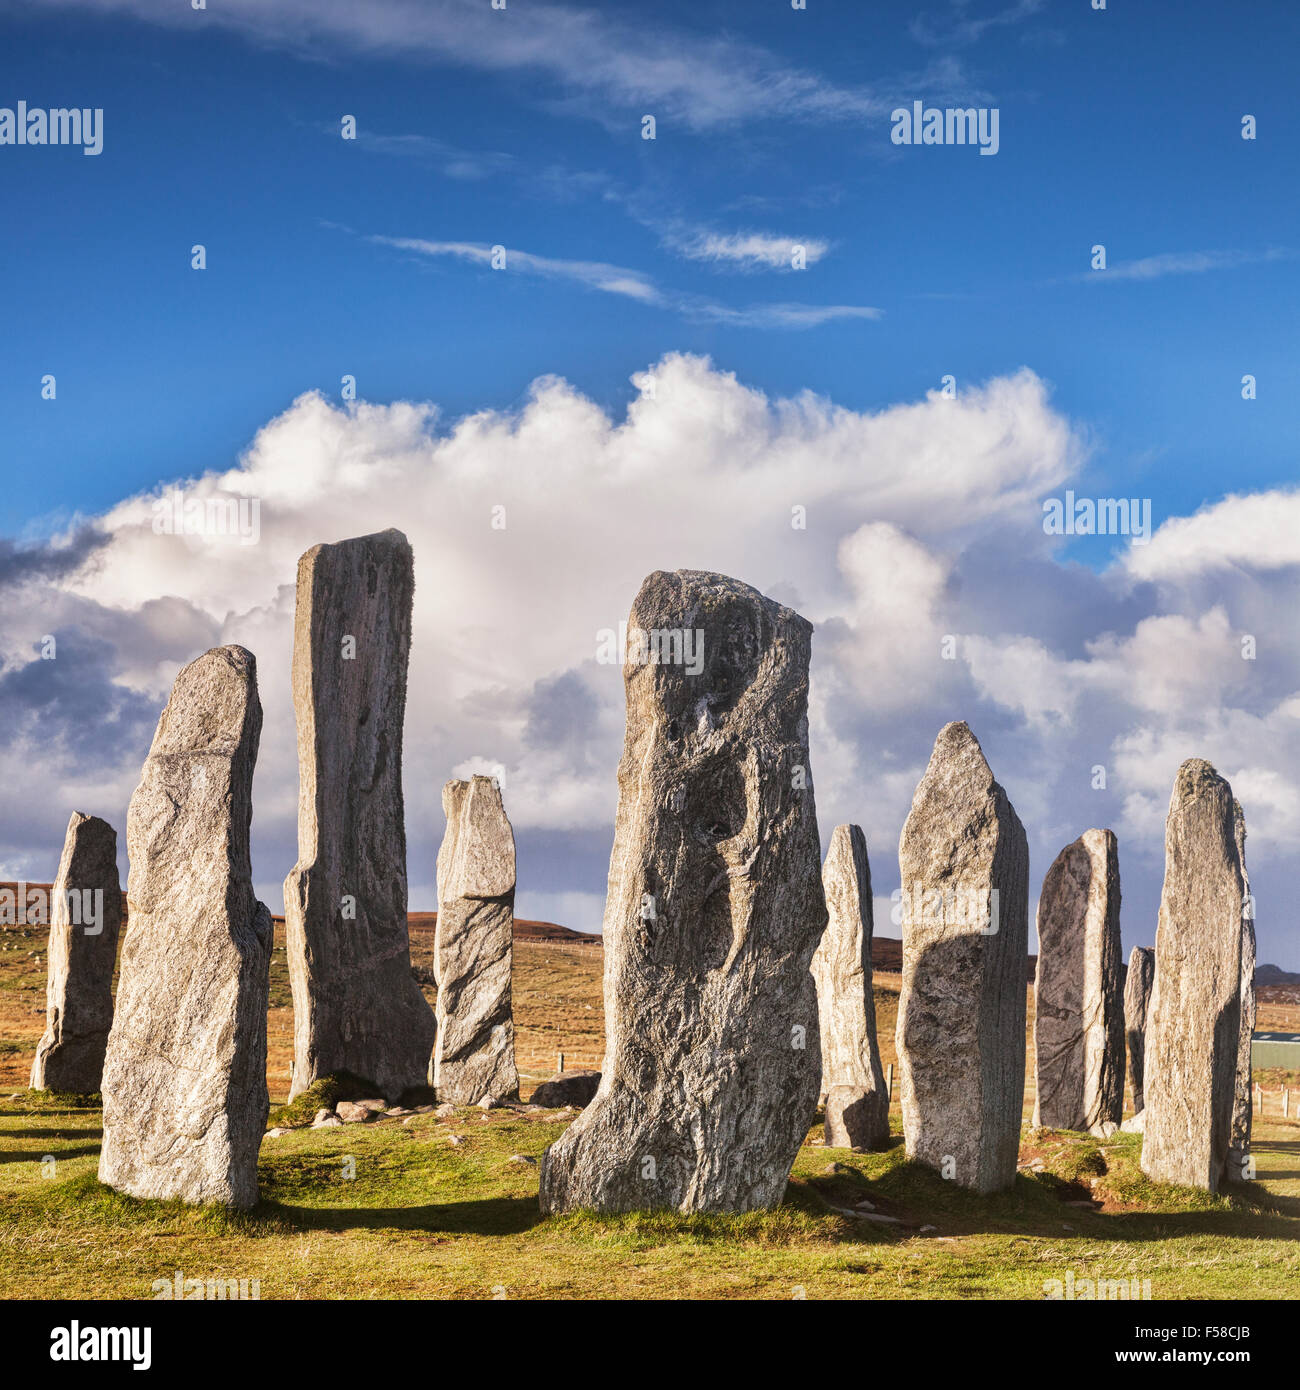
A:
x: 910, y: 535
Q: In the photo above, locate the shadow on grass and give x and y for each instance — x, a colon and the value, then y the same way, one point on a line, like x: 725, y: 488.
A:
x: 31, y: 1156
x: 52, y: 1133
x: 491, y: 1216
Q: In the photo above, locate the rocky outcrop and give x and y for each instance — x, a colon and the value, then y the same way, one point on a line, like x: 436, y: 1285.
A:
x: 856, y: 1105
x: 85, y: 918
x: 715, y: 907
x: 474, y: 1055
x: 1194, y: 1024
x: 185, y: 1100
x: 1078, y: 1005
x: 356, y: 1008
x: 964, y: 861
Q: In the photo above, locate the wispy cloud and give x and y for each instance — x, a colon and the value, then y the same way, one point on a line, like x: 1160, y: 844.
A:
x: 595, y: 275
x: 743, y: 250
x: 633, y: 284
x: 957, y: 29
x: 607, y: 64
x: 780, y: 315
x: 1183, y: 263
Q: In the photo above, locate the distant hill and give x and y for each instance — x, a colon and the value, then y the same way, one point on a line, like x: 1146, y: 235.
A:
x: 525, y: 928
x: 1275, y: 975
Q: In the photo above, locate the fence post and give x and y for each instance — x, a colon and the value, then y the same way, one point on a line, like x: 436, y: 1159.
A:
x: 560, y: 1064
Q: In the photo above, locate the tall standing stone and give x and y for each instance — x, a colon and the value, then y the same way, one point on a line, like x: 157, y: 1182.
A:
x: 964, y: 860
x: 356, y: 1007
x: 1242, y: 1106
x: 185, y: 1099
x: 473, y: 947
x: 715, y: 907
x: 85, y: 917
x: 1078, y: 1005
x: 857, y: 1105
x: 1137, y: 998
x: 1193, y: 1030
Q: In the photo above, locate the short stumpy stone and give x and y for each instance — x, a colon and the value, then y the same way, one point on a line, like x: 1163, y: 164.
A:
x: 857, y: 1105
x: 1193, y: 1028
x: 1137, y: 999
x: 474, y: 1055
x: 85, y: 917
x: 715, y: 907
x: 185, y: 1100
x: 1242, y: 1106
x: 1078, y: 1005
x: 356, y: 1007
x: 964, y: 860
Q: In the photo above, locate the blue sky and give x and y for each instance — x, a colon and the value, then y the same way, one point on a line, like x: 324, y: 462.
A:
x: 523, y: 128
x: 1120, y: 127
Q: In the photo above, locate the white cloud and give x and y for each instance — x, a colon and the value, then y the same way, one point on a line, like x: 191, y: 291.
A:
x: 744, y: 250
x: 912, y: 514
x: 1181, y: 263
x: 613, y: 63
x: 1257, y: 531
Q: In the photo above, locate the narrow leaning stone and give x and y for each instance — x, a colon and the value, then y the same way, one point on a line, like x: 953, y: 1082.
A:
x: 964, y: 861
x: 1137, y: 999
x: 1078, y: 1006
x: 185, y: 1099
x: 1242, y: 1106
x: 715, y: 906
x: 82, y: 954
x: 857, y: 1107
x: 356, y: 1007
x: 1193, y: 1029
x: 474, y: 1055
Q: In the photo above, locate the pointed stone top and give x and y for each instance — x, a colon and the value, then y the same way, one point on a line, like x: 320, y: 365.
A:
x: 1195, y: 776
x: 1139, y: 954
x: 957, y: 755
x: 699, y: 593
x: 210, y: 704
x: 477, y: 856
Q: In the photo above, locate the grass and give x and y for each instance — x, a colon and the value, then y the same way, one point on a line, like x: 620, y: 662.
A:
x: 419, y: 1217
x: 391, y: 1210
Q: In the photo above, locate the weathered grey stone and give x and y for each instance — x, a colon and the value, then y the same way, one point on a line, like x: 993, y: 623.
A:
x: 1078, y: 1004
x: 474, y: 1056
x: 356, y: 1007
x: 1193, y: 1027
x: 185, y: 1100
x: 857, y: 1106
x: 567, y: 1088
x: 964, y: 861
x: 715, y: 906
x: 1135, y: 1124
x: 82, y: 954
x: 1242, y: 1106
x: 1137, y: 998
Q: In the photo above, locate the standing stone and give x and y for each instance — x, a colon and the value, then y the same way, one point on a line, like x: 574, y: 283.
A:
x: 1137, y: 997
x: 1193, y: 1031
x: 185, y: 1100
x: 356, y: 1007
x: 1078, y: 1006
x: 857, y: 1106
x: 715, y: 907
x: 82, y: 954
x: 1239, y: 1143
x: 473, y: 947
x: 964, y: 861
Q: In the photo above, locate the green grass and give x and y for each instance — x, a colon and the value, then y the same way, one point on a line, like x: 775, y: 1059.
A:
x: 419, y: 1217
